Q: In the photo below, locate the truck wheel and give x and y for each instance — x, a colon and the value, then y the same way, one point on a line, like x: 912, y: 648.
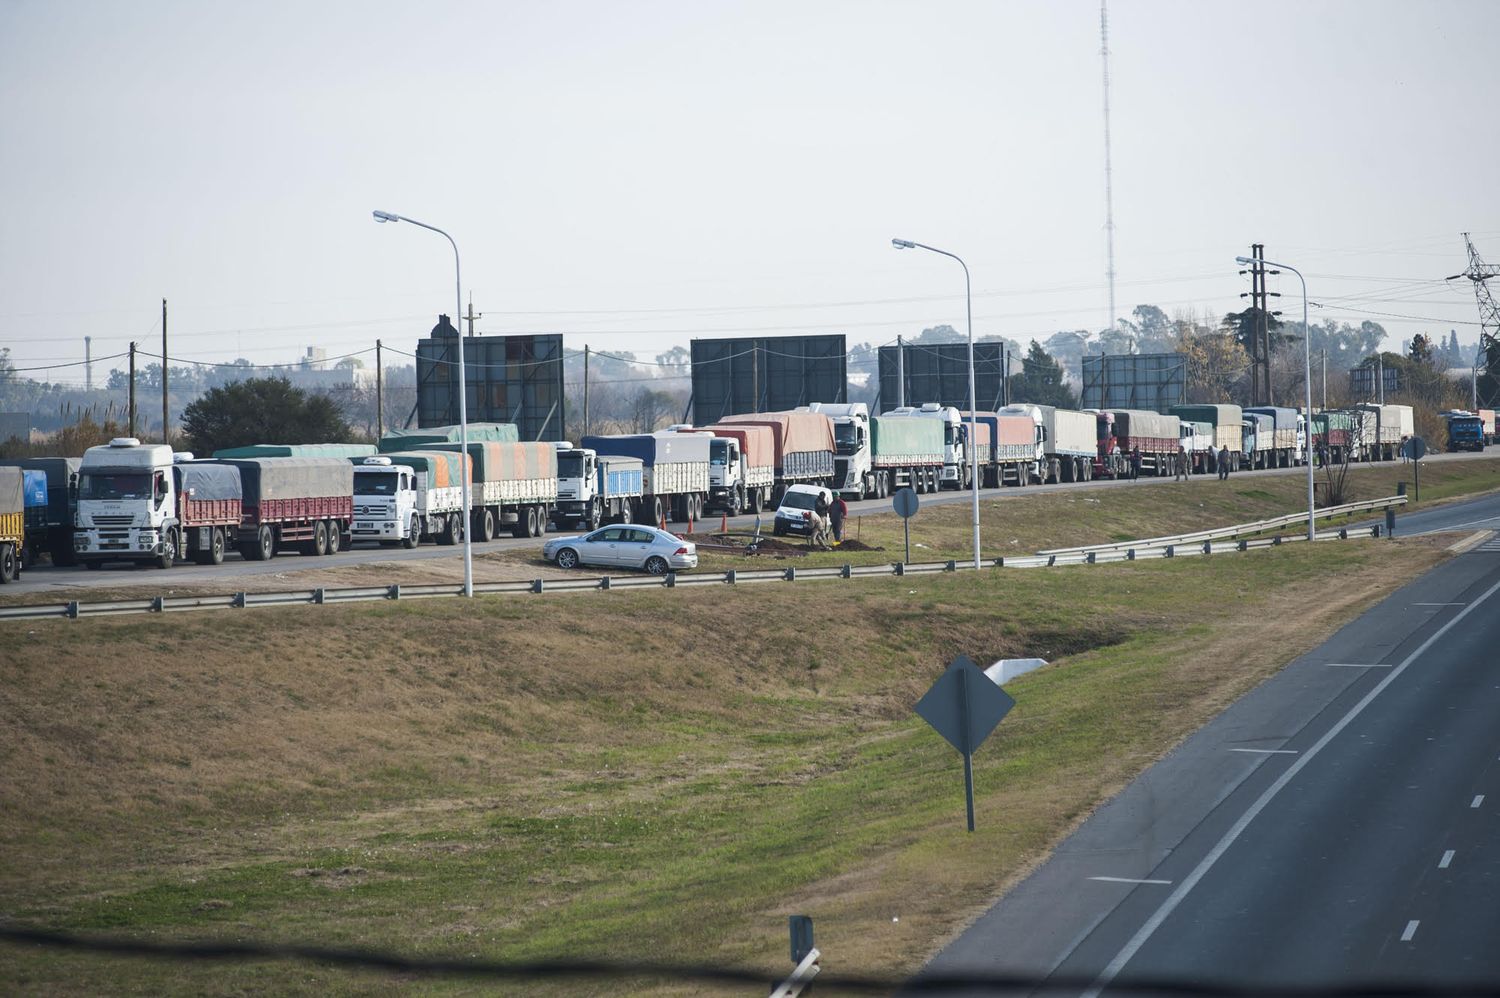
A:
x: 216, y: 546
x: 533, y: 526
x: 8, y: 563
x: 485, y: 525
x: 657, y: 510
x: 264, y: 547
x: 625, y: 511
x: 596, y: 514
x: 168, y: 549
x: 319, y: 544
x: 333, y: 537
x: 413, y: 533
x: 449, y: 534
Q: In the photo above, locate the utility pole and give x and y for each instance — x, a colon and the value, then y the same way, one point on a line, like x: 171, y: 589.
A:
x: 1479, y: 273
x: 164, y: 424
x: 1324, y: 352
x: 379, y: 394
x: 130, y: 416
x: 1109, y: 187
x: 900, y: 372
x: 88, y: 363
x: 585, y: 391
x: 1380, y: 374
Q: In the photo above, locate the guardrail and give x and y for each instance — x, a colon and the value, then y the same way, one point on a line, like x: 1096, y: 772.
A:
x: 1221, y: 533
x: 1180, y: 547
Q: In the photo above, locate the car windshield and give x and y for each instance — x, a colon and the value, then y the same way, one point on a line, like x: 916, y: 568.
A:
x: 374, y: 483
x: 115, y: 485
x: 800, y: 500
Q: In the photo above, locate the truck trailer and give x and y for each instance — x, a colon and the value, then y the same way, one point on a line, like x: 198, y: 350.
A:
x: 1070, y: 441
x: 301, y: 502
x: 803, y: 443
x: 404, y: 497
x: 54, y: 537
x: 907, y: 453
x: 1285, y: 449
x: 741, y: 466
x: 1227, y: 422
x: 12, y: 522
x: 674, y: 471
x: 515, y: 486
x: 1122, y: 431
x: 424, y: 437
x: 1393, y: 425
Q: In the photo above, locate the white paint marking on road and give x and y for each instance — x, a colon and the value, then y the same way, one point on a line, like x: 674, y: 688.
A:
x: 1358, y: 665
x: 1267, y: 751
x: 1447, y: 858
x: 1129, y: 880
x: 1478, y: 800
x: 1146, y: 931
x: 1440, y: 604
x: 1411, y: 930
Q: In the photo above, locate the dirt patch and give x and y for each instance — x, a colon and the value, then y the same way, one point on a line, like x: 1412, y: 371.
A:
x: 854, y: 545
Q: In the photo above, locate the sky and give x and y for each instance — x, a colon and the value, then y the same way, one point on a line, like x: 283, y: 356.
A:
x: 634, y: 175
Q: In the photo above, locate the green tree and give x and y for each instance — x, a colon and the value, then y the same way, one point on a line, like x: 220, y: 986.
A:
x: 1041, y: 381
x: 1421, y: 349
x: 261, y: 411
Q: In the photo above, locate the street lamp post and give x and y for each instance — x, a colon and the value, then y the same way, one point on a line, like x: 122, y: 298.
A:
x: 1307, y: 362
x: 973, y: 405
x: 463, y: 391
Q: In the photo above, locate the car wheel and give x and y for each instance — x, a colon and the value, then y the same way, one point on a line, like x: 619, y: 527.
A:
x: 656, y: 565
x: 567, y: 558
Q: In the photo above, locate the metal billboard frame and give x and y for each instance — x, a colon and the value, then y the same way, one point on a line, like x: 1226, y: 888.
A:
x: 1150, y: 381
x: 741, y: 375
x: 511, y: 379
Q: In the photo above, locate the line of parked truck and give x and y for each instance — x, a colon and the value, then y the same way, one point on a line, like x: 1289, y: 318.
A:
x: 129, y: 501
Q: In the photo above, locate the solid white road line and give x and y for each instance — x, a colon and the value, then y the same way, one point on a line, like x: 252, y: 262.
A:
x: 1447, y: 858
x: 1129, y: 880
x: 1478, y: 800
x: 1439, y: 604
x: 1267, y: 751
x: 1358, y: 665
x: 1144, y: 933
x: 1411, y: 930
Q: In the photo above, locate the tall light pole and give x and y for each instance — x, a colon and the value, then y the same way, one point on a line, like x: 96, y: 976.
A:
x: 1307, y: 362
x: 973, y: 410
x: 463, y: 391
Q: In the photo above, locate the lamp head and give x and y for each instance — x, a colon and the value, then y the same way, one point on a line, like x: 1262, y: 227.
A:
x: 903, y: 244
x: 385, y: 216
x: 1243, y: 261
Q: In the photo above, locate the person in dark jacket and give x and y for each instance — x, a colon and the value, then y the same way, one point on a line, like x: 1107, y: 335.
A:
x: 1223, y: 463
x: 838, y: 510
x: 1135, y: 463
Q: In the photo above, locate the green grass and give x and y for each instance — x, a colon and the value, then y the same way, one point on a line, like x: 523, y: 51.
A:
x: 653, y: 775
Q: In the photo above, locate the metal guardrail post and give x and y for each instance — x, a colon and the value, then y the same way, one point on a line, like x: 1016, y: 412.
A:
x: 238, y: 601
x: 72, y: 613
x: 847, y: 572
x: 318, y: 596
x: 730, y: 576
x: 1130, y: 555
x: 536, y: 585
x: 670, y: 581
x: 1089, y: 558
x: 157, y: 605
x: 1171, y: 550
x: 790, y: 575
x: 393, y: 591
x: 951, y: 566
x: 604, y: 582
x: 900, y: 568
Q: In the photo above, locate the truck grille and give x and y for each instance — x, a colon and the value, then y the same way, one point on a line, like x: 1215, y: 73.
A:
x: 381, y: 510
x: 112, y: 521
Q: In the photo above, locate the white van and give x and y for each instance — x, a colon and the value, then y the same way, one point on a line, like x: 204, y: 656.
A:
x: 794, y: 515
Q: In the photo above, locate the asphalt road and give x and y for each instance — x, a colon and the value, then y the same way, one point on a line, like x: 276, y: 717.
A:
x: 45, y: 578
x: 1337, y: 825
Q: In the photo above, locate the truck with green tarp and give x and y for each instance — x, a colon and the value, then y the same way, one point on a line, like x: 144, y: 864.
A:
x: 296, y: 450
x: 426, y: 436
x: 906, y: 453
x: 515, y: 486
x: 404, y: 497
x: 1228, y: 424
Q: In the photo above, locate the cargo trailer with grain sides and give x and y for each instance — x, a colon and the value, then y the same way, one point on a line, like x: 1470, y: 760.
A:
x: 1227, y: 422
x: 741, y: 466
x: 12, y: 522
x: 1332, y: 435
x: 1364, y: 433
x: 61, y: 515
x: 404, y: 497
x: 1393, y: 425
x: 1070, y: 441
x: 423, y: 438
x: 1286, y: 446
x: 515, y: 486
x: 1122, y: 431
x: 143, y: 503
x: 956, y: 456
x: 1016, y: 450
x: 853, y: 476
x: 301, y: 503
x: 907, y: 453
x: 674, y: 472
x: 803, y: 443
x: 595, y: 488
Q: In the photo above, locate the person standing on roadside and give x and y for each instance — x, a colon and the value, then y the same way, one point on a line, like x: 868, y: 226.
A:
x: 1223, y: 463
x: 838, y: 510
x: 1135, y: 463
x: 1179, y: 465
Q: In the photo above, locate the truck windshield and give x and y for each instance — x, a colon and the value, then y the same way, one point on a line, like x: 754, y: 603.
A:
x: 845, y: 438
x: 570, y: 466
x: 718, y: 453
x: 375, y: 483
x: 115, y: 485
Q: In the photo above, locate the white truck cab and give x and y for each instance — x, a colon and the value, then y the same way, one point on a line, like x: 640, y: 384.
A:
x: 127, y: 506
x: 385, y: 503
x: 592, y: 489
x: 852, y: 468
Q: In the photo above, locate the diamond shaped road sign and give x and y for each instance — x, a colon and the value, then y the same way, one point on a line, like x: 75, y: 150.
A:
x: 964, y: 705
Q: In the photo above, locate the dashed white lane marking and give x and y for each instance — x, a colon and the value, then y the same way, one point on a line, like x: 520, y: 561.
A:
x: 1440, y: 604
x: 1478, y: 800
x: 1447, y: 858
x: 1358, y: 665
x: 1411, y: 930
x: 1129, y: 880
x: 1267, y: 751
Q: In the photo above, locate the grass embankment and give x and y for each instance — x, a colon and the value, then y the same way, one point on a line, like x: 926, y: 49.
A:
x: 643, y: 774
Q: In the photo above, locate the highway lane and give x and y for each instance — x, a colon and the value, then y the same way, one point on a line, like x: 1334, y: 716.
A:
x: 1336, y: 825
x: 44, y: 577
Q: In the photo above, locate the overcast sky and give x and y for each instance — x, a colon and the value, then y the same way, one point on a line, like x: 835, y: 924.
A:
x: 635, y: 174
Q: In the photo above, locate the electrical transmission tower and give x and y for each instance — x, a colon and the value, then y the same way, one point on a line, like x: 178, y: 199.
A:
x: 1479, y: 272
x: 1109, y: 182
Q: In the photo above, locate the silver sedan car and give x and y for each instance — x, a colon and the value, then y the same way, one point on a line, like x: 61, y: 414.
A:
x: 624, y: 546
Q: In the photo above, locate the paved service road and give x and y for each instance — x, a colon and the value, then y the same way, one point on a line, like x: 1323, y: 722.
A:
x: 45, y: 578
x: 1339, y: 824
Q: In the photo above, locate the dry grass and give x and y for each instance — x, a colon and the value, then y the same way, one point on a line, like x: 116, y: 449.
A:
x: 644, y: 773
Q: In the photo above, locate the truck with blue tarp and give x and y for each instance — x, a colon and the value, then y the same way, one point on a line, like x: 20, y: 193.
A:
x: 674, y: 470
x: 594, y: 488
x: 56, y: 534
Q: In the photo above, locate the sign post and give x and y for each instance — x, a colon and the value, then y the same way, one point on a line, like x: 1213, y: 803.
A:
x: 1415, y: 448
x: 964, y: 706
x: 905, y: 503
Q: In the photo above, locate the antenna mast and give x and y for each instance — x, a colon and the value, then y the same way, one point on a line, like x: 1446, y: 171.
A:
x: 1109, y: 194
x: 1489, y: 319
